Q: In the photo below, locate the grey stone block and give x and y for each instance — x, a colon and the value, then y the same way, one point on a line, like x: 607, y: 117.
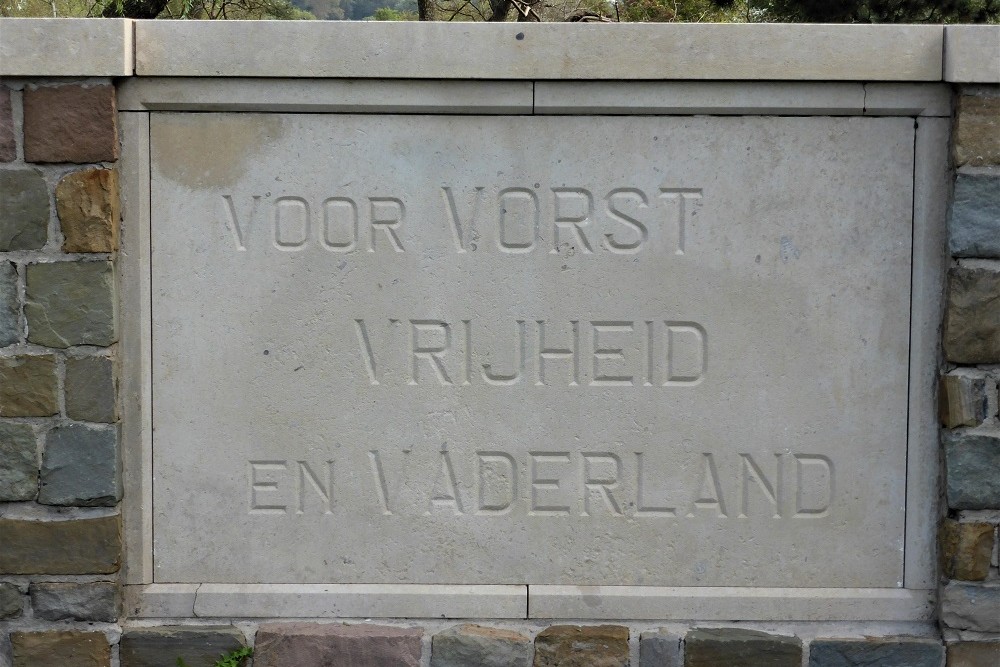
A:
x: 972, y: 469
x: 974, y: 224
x: 18, y: 462
x: 24, y: 210
x: 10, y: 325
x: 161, y: 647
x: 90, y: 389
x: 660, y: 648
x: 80, y: 467
x: 971, y: 606
x: 11, y: 603
x: 478, y: 646
x: 70, y: 303
x: 97, y: 601
x: 735, y: 647
x: 896, y: 652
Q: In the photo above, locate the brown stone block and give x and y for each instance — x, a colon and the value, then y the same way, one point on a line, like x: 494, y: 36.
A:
x: 60, y: 649
x: 70, y: 124
x: 333, y: 645
x: 972, y: 316
x: 582, y: 646
x: 28, y: 386
x: 81, y: 546
x: 961, y: 401
x: 966, y: 549
x: 736, y: 647
x: 974, y: 654
x: 977, y: 131
x: 8, y: 145
x: 89, y: 210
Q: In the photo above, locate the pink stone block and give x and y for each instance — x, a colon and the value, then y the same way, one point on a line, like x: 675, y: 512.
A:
x: 335, y: 645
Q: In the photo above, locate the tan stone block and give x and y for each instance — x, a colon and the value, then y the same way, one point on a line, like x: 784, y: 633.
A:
x: 81, y: 546
x: 974, y: 654
x: 89, y: 210
x: 582, y: 646
x: 961, y: 400
x: 966, y: 549
x: 70, y: 124
x: 60, y: 649
x: 28, y: 386
x: 977, y: 131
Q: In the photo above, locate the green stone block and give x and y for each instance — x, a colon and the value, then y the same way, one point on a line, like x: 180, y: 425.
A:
x: 24, y: 210
x: 70, y: 303
x: 18, y: 463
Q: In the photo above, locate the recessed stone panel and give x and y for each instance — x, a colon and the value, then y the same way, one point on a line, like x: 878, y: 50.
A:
x: 487, y: 350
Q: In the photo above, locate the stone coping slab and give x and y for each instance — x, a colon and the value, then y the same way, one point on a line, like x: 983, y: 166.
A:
x: 539, y: 51
x: 972, y: 54
x: 66, y: 47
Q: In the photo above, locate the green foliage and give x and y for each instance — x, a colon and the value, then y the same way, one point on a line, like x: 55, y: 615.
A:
x: 232, y: 659
x: 390, y: 14
x: 865, y: 11
x: 669, y: 11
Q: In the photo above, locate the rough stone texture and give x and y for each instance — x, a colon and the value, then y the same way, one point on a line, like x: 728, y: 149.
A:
x: 11, y: 602
x: 974, y: 654
x: 660, y: 648
x: 80, y: 467
x: 70, y: 124
x: 972, y: 317
x: 8, y: 145
x: 966, y: 549
x: 962, y: 400
x: 972, y: 470
x: 736, y: 647
x: 88, y: 206
x: 10, y: 324
x: 80, y: 546
x: 974, y: 224
x: 18, y: 462
x: 582, y: 646
x: 331, y: 645
x: 467, y: 645
x: 60, y: 649
x: 977, y: 131
x: 875, y: 653
x: 97, y: 601
x: 971, y: 606
x: 161, y: 646
x: 90, y: 389
x: 24, y: 209
x: 28, y: 386
x: 70, y: 303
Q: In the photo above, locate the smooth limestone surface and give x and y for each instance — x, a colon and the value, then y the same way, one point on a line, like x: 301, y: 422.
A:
x: 608, y: 351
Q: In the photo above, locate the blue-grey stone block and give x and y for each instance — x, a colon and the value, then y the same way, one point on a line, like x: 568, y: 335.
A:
x: 974, y: 225
x: 897, y: 652
x: 80, y: 467
x: 972, y: 469
x: 10, y: 325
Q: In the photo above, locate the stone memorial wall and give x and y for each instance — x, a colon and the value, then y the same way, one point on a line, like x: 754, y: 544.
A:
x: 320, y: 339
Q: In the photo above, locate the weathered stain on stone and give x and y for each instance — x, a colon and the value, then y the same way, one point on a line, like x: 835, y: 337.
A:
x: 966, y: 549
x: 216, y: 148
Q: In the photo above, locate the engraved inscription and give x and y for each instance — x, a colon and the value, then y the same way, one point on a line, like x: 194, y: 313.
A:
x: 701, y: 486
x: 608, y: 353
x: 563, y: 220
